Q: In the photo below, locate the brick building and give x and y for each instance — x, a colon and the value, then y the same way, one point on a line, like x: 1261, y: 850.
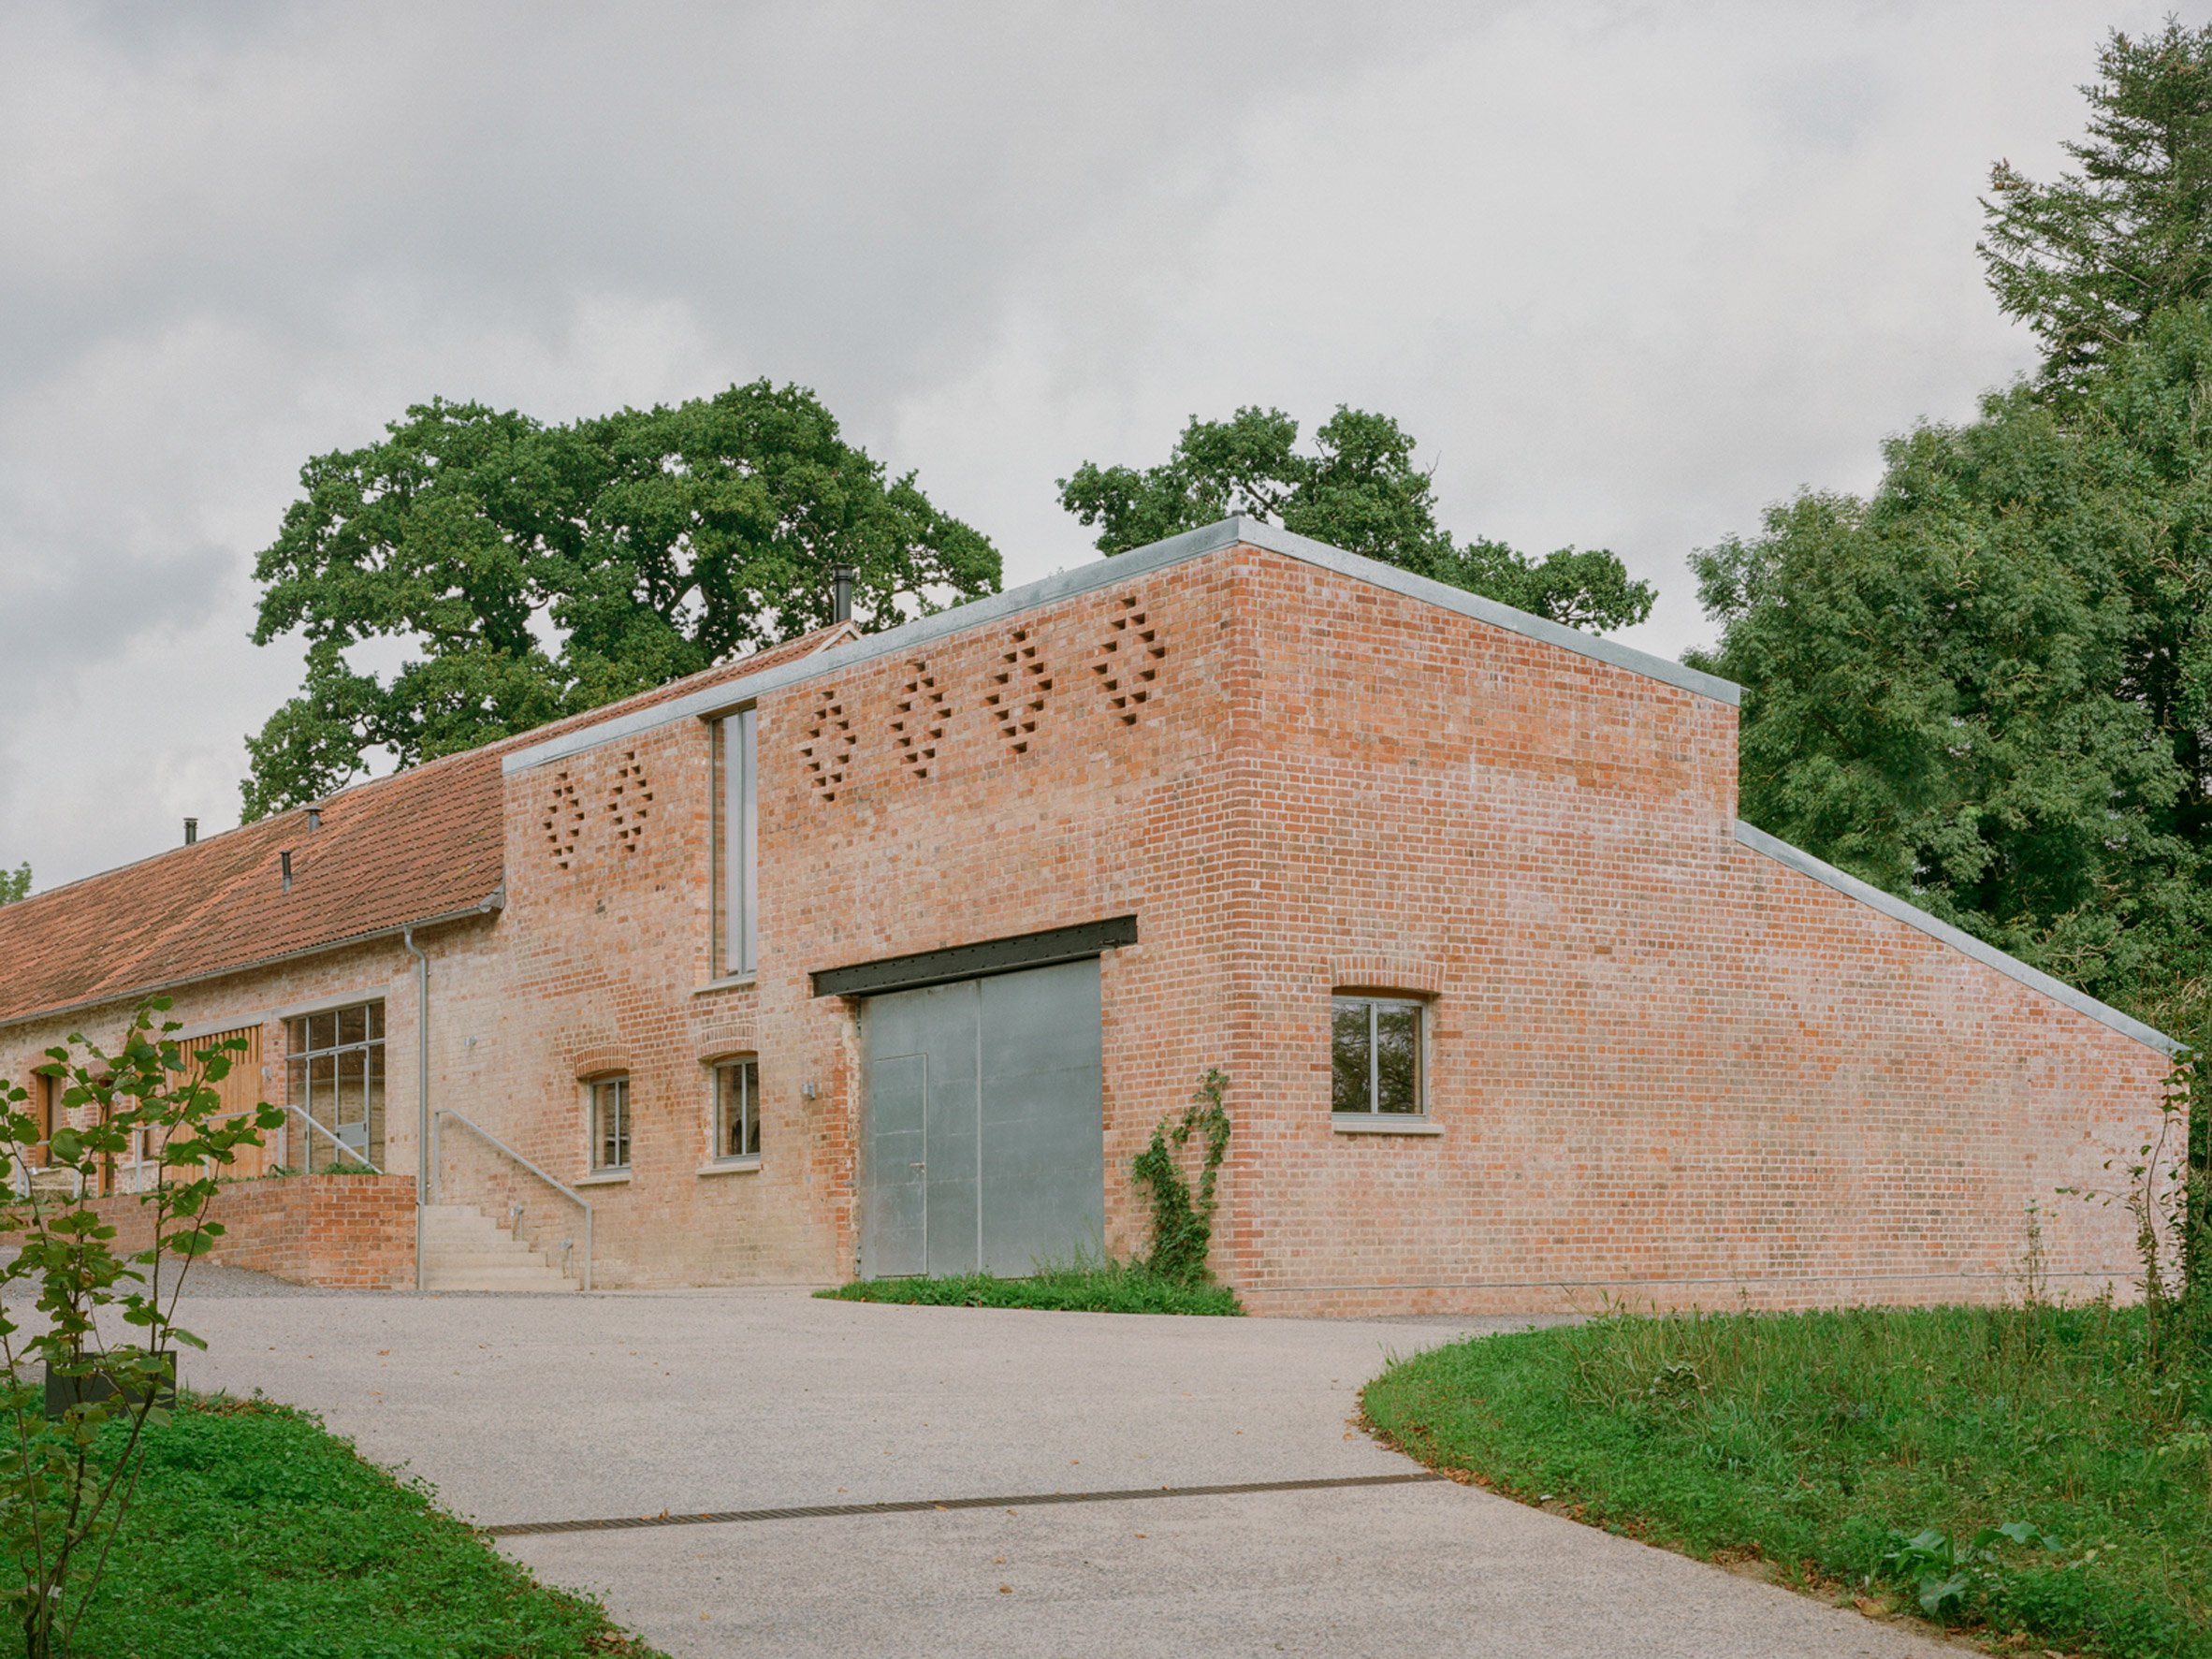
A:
x: 886, y: 953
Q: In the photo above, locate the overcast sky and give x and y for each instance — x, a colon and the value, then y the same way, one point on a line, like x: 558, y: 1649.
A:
x: 1629, y: 274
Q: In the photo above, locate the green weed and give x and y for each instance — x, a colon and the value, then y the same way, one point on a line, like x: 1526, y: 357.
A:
x: 2015, y: 1468
x: 1089, y: 1288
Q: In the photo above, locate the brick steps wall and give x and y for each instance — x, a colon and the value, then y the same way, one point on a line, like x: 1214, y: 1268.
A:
x: 353, y: 1232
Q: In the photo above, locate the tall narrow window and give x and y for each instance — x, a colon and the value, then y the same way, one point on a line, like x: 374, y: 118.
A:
x: 737, y: 1111
x: 1375, y: 1057
x: 740, y: 835
x: 610, y: 1124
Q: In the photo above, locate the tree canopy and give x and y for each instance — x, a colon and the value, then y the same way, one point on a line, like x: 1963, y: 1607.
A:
x: 1358, y: 489
x: 537, y: 571
x: 15, y: 883
x: 2086, y: 261
x: 1989, y: 688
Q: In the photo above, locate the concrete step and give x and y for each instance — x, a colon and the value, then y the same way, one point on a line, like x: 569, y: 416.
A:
x: 464, y: 1249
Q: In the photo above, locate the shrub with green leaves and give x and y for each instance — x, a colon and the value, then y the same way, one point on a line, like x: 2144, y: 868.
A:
x: 62, y: 1497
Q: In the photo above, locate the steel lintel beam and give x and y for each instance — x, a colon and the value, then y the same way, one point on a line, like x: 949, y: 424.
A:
x: 969, y: 962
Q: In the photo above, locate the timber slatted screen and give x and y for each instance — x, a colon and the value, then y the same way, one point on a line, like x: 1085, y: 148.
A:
x: 241, y: 1091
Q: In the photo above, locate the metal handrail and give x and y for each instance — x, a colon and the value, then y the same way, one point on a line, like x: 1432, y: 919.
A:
x: 22, y: 1175
x: 565, y: 1190
x: 360, y: 1157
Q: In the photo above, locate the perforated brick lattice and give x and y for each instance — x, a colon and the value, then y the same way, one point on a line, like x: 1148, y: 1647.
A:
x: 629, y: 802
x: 1020, y: 687
x: 919, y: 725
x: 564, y: 821
x: 828, y: 748
x: 1129, y: 660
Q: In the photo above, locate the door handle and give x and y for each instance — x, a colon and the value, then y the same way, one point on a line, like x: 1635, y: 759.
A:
x: 917, y: 1166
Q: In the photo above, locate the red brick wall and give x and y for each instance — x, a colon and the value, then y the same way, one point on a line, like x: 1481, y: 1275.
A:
x: 380, y: 970
x: 353, y: 1232
x: 608, y: 937
x: 1663, y: 1066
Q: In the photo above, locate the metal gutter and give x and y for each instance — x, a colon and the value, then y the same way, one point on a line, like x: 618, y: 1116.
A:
x: 1108, y: 573
x: 495, y: 900
x: 1795, y: 858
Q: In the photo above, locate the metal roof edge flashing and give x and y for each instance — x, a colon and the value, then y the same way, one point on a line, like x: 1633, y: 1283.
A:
x: 1797, y: 859
x: 1084, y: 578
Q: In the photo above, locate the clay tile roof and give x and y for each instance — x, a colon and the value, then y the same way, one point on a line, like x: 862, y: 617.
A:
x: 421, y: 845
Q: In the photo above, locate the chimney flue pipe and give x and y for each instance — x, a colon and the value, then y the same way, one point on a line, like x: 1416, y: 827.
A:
x: 842, y: 580
x: 191, y: 831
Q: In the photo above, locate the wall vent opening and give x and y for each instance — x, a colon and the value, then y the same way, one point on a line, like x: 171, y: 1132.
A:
x: 1019, y: 690
x: 629, y: 802
x: 1129, y: 660
x: 827, y: 752
x: 919, y: 725
x: 563, y: 822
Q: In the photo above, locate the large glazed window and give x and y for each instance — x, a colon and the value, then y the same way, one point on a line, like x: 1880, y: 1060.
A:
x: 739, y: 833
x: 335, y: 1063
x: 1376, y: 1057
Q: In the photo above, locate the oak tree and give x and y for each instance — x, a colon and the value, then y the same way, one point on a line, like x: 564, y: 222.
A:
x: 1358, y: 488
x: 533, y: 571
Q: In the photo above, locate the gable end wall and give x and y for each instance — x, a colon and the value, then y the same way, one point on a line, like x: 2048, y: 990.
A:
x: 1664, y: 1066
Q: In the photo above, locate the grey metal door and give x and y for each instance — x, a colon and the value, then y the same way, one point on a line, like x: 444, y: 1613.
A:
x: 984, y: 1145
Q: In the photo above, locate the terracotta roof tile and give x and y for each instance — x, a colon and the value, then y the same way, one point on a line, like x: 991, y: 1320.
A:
x: 423, y: 843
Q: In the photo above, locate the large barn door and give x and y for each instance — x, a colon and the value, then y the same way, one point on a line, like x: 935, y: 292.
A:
x: 984, y: 1145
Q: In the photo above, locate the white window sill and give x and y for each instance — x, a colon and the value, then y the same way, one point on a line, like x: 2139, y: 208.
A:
x: 737, y: 982
x: 1383, y: 1123
x: 731, y: 1165
x: 604, y: 1178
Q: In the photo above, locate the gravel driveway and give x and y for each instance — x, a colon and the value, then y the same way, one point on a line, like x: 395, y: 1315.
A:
x: 544, y: 1411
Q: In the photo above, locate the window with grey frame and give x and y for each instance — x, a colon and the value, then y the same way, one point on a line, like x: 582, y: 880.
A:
x: 610, y: 1124
x: 335, y: 1076
x: 739, y: 837
x: 1376, y: 1057
x: 737, y: 1111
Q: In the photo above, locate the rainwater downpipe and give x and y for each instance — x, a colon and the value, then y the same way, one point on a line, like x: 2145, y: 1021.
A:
x: 422, y: 1093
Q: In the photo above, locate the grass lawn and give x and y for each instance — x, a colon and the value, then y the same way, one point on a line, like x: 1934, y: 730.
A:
x: 1117, y: 1288
x: 1820, y: 1442
x: 255, y: 1532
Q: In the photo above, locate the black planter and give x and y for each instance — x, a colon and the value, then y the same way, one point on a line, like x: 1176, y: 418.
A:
x: 65, y: 1391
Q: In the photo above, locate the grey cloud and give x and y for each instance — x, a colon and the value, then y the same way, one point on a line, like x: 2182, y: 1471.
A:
x: 1630, y: 271
x: 73, y: 608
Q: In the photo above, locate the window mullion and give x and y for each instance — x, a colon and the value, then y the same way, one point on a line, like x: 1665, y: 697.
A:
x: 1374, y: 1059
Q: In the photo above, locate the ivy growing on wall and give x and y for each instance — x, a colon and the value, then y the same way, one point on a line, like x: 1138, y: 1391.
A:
x: 1182, y: 1221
